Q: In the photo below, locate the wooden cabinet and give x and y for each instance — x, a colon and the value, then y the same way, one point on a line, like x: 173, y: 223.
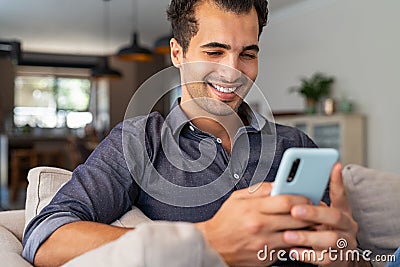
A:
x: 346, y: 133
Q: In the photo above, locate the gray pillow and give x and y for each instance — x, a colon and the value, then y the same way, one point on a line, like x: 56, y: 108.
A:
x: 375, y: 202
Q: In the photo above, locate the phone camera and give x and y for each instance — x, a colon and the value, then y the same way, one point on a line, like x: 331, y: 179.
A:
x: 293, y: 170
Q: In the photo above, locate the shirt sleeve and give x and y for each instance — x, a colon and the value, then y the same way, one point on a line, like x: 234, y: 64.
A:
x: 100, y: 190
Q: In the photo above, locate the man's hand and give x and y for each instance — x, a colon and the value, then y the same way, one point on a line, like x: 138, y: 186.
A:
x: 249, y: 221
x: 336, y: 227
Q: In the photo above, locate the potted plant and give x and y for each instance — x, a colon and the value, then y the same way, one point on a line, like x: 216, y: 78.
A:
x: 313, y: 89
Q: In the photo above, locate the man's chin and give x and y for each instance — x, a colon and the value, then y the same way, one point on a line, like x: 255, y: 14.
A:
x: 218, y: 108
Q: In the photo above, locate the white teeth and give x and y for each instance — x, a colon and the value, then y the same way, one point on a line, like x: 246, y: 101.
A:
x: 224, y: 89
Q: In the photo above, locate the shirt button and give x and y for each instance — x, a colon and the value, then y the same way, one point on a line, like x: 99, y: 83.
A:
x: 191, y: 128
x: 219, y: 140
x: 236, y: 176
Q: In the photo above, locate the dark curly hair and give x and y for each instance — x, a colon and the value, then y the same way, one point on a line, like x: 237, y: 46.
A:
x: 184, y: 24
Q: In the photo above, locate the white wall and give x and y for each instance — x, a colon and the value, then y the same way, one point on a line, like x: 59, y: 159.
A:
x: 358, y: 41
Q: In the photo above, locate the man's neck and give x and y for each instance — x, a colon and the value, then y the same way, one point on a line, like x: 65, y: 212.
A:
x: 222, y: 127
x: 219, y: 128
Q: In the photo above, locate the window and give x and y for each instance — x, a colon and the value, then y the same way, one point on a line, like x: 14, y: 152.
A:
x: 51, y: 101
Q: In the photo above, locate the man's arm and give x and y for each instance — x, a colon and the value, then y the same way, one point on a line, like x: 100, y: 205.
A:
x: 101, y: 190
x: 74, y: 239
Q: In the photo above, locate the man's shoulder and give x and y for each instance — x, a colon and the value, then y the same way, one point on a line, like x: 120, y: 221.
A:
x: 138, y: 128
x: 293, y: 135
x: 138, y: 123
x: 285, y: 130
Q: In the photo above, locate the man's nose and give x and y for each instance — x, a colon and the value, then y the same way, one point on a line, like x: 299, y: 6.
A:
x: 229, y: 70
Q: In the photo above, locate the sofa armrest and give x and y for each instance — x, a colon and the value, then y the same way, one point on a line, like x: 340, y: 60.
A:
x: 10, y: 249
x: 13, y: 221
x: 9, y: 242
x: 10, y: 259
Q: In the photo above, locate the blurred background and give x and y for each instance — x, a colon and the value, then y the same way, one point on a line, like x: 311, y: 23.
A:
x: 69, y: 68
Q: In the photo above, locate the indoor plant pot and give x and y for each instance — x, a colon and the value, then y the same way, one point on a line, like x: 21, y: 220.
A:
x: 313, y: 89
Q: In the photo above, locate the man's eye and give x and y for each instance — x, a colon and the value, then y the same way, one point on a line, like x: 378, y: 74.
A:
x: 249, y: 56
x: 213, y: 53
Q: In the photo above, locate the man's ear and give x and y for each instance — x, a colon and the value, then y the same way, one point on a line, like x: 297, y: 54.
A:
x: 176, y: 52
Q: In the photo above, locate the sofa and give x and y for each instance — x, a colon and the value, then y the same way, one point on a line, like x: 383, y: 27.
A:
x: 373, y: 196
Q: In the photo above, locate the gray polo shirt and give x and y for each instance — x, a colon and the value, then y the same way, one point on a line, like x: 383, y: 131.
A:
x: 168, y: 168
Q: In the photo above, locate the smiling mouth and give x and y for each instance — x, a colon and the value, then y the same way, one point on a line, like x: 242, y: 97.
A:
x: 222, y: 89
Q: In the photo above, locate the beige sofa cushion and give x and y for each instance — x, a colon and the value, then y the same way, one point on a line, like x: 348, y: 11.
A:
x: 13, y: 221
x: 9, y: 242
x: 375, y: 200
x: 10, y: 247
x: 44, y: 182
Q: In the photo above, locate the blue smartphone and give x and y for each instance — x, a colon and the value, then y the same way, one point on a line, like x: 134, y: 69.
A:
x: 305, y: 171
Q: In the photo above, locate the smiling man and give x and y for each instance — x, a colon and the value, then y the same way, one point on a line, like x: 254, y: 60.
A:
x: 227, y: 38
x: 215, y: 47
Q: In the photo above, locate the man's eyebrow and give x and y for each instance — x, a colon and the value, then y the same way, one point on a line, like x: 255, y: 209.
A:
x: 216, y: 45
x: 251, y: 47
x: 228, y: 47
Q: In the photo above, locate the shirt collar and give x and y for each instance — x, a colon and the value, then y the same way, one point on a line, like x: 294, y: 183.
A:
x: 177, y: 119
x: 255, y: 120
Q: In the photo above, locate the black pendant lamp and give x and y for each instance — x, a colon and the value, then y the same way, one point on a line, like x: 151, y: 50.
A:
x: 135, y: 52
x: 161, y: 46
x: 103, y: 70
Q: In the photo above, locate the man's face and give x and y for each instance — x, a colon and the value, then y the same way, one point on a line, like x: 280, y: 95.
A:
x: 227, y: 43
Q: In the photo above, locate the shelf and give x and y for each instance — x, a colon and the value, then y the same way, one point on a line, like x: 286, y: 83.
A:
x: 344, y: 132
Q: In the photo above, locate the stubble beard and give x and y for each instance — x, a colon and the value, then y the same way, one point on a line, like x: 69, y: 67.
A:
x: 198, y: 92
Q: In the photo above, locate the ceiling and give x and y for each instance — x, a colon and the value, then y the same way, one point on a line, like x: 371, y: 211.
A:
x: 77, y: 26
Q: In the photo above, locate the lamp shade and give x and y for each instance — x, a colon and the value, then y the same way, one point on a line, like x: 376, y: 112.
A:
x: 134, y: 52
x: 103, y: 70
x: 161, y: 46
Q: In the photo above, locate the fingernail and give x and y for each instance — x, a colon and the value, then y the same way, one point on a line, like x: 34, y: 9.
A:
x: 291, y: 236
x: 339, y: 166
x: 299, y: 211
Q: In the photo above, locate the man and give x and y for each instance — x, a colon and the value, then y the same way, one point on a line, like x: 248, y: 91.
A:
x: 237, y: 224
